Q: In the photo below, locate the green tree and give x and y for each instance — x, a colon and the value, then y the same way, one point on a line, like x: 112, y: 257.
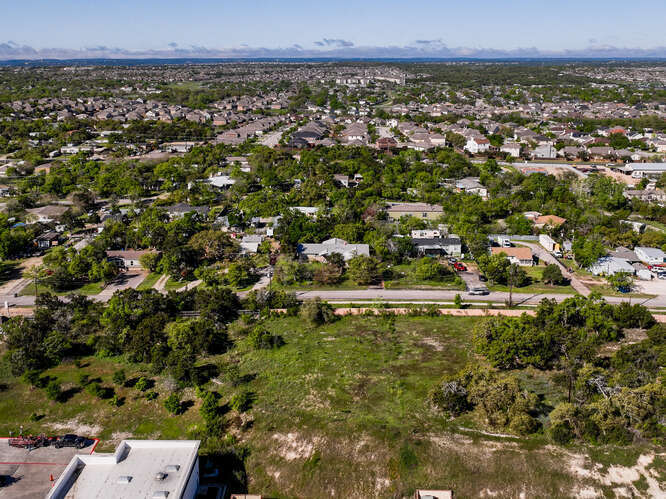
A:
x: 172, y: 404
x: 552, y: 274
x: 363, y: 269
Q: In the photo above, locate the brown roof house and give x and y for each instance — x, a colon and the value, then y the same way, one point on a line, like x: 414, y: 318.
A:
x: 550, y: 220
x: 519, y: 255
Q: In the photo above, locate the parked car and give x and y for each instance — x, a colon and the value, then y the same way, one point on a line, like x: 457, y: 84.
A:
x: 557, y: 254
x: 71, y: 440
x: 460, y: 267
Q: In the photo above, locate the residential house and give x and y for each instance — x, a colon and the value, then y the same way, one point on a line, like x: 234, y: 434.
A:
x: 251, y: 243
x: 130, y: 259
x: 650, y: 256
x: 319, y: 251
x: 396, y: 211
x: 47, y: 240
x: 450, y: 245
x: 519, y: 255
x: 471, y: 185
x: 45, y: 214
x: 544, y: 151
x: 477, y: 145
x: 511, y: 148
x: 548, y: 220
x: 611, y: 265
x: 181, y: 209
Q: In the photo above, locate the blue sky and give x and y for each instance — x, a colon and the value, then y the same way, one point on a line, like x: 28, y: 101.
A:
x: 338, y: 26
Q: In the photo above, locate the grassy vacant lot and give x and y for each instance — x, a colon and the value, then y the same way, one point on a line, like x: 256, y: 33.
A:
x: 149, y: 281
x: 340, y: 411
x: 90, y: 416
x: 406, y: 278
x: 88, y: 289
x: 537, y: 285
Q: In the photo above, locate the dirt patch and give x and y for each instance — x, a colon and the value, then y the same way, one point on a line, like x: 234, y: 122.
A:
x: 622, y: 476
x: 294, y: 446
x: 74, y: 426
x: 432, y: 342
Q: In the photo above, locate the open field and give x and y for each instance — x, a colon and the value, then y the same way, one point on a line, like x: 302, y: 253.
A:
x: 537, y: 285
x: 341, y: 410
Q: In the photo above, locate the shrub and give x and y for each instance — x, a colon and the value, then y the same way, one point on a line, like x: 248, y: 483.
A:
x: 209, y: 407
x: 172, y: 404
x: 34, y: 378
x: 84, y: 379
x: 151, y: 395
x: 53, y: 391
x: 260, y: 339
x: 317, y: 312
x: 141, y: 384
x: 241, y: 401
x: 119, y: 377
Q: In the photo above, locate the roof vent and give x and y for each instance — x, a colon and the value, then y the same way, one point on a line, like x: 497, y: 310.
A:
x: 124, y: 479
x: 172, y: 467
x: 160, y: 494
x: 160, y: 476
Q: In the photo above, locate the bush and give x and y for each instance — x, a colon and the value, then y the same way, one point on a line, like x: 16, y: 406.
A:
x: 53, y: 391
x: 141, y: 384
x: 119, y: 377
x: 34, y: 378
x: 317, y: 312
x: 97, y: 390
x: 84, y: 379
x: 151, y: 395
x: 241, y: 401
x: 172, y: 404
x: 260, y: 339
x: 209, y: 407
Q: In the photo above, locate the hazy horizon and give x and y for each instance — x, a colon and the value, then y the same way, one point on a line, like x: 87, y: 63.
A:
x: 73, y: 29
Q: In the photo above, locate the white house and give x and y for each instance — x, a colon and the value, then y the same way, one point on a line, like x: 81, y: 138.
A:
x: 477, y: 145
x: 545, y: 151
x: 314, y: 251
x: 611, y: 265
x: 650, y: 256
x: 512, y: 148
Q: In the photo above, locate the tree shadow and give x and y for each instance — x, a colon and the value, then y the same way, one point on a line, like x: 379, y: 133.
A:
x: 204, y: 373
x: 65, y: 395
x: 185, y: 405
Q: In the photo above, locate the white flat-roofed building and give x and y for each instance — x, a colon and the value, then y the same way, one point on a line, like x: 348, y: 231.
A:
x: 640, y: 170
x: 138, y: 468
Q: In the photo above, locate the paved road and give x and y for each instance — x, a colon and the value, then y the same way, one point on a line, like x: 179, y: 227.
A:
x: 271, y: 139
x: 425, y: 295
x: 409, y: 296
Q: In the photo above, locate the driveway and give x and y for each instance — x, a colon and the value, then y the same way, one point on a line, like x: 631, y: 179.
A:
x: 130, y: 279
x: 545, y: 256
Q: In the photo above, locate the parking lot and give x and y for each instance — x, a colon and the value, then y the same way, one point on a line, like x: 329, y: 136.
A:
x: 29, y: 471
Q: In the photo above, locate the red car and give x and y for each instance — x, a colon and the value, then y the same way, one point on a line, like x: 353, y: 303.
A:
x: 459, y: 267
